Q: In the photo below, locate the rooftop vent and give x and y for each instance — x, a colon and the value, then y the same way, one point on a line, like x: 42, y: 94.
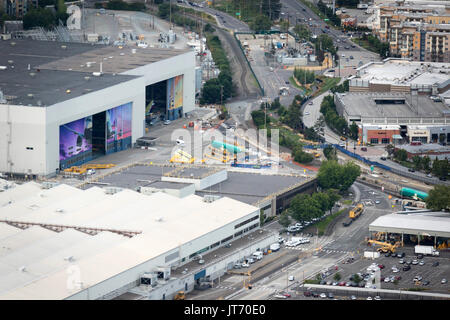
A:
x: 87, y: 78
x: 63, y: 47
x: 59, y: 210
x: 32, y: 74
x: 69, y: 258
x: 68, y: 91
x: 160, y: 219
x: 96, y: 74
x: 10, y: 61
x: 22, y: 269
x: 13, y: 43
x: 3, y: 67
x: 30, y: 95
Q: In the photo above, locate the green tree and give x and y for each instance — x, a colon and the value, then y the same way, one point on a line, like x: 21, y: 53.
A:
x: 210, y: 92
x: 426, y: 163
x: 304, y: 208
x: 302, y: 156
x: 258, y: 118
x: 440, y: 168
x: 271, y: 8
x: 353, y: 131
x: 260, y: 23
x: 284, y: 219
x: 417, y: 162
x: 284, y: 26
x: 330, y: 152
x: 356, y: 278
x: 337, y: 276
x: 400, y: 154
x: 332, y: 175
x: 323, y: 200
x: 439, y: 198
x: 302, y: 32
x: 39, y: 18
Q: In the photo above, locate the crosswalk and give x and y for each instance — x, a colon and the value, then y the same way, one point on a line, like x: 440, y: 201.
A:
x: 324, y: 250
x: 264, y: 288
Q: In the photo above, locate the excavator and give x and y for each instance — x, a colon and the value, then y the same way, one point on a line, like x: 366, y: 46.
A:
x: 385, y: 246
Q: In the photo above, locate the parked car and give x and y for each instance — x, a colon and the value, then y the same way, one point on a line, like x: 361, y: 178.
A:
x: 381, y: 266
x: 166, y: 122
x: 435, y: 264
x: 401, y: 261
x: 330, y: 295
x: 414, y: 262
x: 353, y: 297
x: 400, y: 254
x: 307, y: 293
x: 411, y: 170
x: 279, y: 296
x: 426, y: 282
x: 406, y: 268
x: 323, y: 295
x: 421, y: 263
x: 444, y: 281
x: 420, y: 256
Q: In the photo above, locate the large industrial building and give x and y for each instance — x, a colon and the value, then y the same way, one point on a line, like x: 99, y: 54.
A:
x: 61, y: 242
x: 63, y: 104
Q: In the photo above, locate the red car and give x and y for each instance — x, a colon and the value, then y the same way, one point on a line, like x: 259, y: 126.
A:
x: 287, y: 295
x: 342, y: 284
x: 381, y: 266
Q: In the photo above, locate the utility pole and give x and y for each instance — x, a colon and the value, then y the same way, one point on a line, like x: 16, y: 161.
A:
x: 170, y: 13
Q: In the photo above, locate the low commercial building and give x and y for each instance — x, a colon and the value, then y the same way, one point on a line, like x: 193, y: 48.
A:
x: 402, y: 76
x: 270, y: 192
x: 391, y: 108
x: 433, y: 151
x: 66, y: 243
x: 378, y: 134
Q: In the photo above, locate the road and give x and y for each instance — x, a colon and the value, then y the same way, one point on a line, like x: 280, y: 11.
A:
x: 298, y: 13
x: 223, y: 20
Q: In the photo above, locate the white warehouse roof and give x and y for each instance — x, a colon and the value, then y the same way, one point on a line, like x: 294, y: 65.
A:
x: 34, y: 262
x: 412, y: 224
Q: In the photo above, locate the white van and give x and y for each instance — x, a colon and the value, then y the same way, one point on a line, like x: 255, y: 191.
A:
x: 274, y: 247
x: 258, y: 255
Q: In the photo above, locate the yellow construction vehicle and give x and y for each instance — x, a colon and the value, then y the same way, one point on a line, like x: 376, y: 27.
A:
x: 180, y: 296
x: 356, y: 211
x: 385, y: 246
x: 181, y: 156
x: 85, y: 167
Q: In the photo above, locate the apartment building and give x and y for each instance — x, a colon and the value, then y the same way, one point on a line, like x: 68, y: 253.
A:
x: 18, y: 8
x: 420, y: 33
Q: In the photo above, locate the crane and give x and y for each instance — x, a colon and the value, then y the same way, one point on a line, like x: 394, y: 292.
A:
x: 385, y: 246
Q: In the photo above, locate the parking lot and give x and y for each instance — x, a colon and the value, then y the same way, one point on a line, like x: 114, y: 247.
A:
x: 430, y: 273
